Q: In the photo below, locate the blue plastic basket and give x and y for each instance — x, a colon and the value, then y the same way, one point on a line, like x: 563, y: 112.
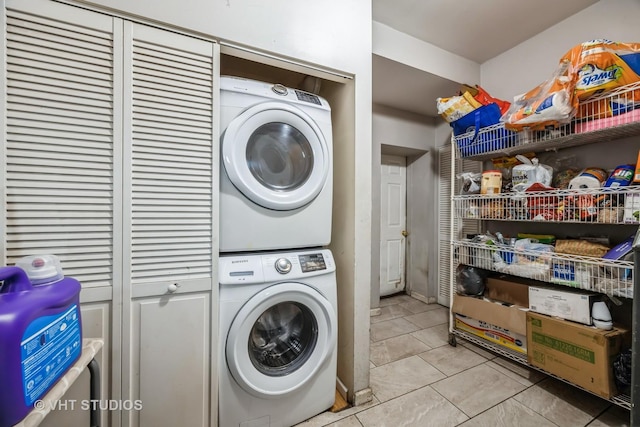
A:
x: 480, y: 132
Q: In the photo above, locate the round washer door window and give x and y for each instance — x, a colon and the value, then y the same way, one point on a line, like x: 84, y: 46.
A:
x: 280, y: 338
x: 276, y: 155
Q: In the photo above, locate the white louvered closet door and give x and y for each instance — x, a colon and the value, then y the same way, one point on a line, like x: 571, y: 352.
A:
x: 59, y: 175
x: 58, y: 164
x: 170, y: 177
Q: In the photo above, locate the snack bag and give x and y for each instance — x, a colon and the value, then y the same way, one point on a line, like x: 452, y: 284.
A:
x: 601, y: 66
x: 451, y: 109
x: 549, y: 104
x: 483, y: 97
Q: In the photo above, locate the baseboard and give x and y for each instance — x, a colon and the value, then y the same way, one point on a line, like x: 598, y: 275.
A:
x: 341, y: 397
x: 426, y: 300
x: 363, y: 396
x: 375, y: 312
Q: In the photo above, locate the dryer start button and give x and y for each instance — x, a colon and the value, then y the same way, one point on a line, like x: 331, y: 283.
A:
x: 279, y: 89
x: 283, y: 265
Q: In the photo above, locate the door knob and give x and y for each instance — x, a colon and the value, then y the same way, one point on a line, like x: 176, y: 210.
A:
x: 405, y: 233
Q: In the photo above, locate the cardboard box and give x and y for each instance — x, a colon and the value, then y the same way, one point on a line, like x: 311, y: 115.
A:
x: 508, y: 317
x: 497, y: 335
x: 504, y: 288
x: 567, y: 304
x: 496, y: 322
x: 580, y: 354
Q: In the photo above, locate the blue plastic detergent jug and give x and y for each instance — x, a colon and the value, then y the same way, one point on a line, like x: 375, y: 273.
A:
x: 40, y: 338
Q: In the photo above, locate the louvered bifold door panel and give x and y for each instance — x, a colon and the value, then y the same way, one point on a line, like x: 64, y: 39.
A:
x: 171, y: 191
x: 444, y: 225
x: 60, y: 140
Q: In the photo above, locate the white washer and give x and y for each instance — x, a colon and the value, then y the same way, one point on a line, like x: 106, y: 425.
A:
x: 278, y: 335
x: 276, y: 174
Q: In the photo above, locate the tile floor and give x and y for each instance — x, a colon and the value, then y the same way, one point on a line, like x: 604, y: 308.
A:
x: 418, y: 379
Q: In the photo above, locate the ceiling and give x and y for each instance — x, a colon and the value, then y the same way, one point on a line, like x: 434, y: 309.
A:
x: 474, y: 29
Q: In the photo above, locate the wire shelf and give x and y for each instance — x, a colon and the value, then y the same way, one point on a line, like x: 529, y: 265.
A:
x: 600, y: 118
x: 590, y: 206
x: 611, y: 277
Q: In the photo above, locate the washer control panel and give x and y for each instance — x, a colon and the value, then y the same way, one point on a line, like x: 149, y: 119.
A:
x: 245, y: 269
x: 312, y: 262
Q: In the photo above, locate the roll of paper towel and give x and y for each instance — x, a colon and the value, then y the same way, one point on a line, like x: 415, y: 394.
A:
x: 556, y: 106
x: 589, y: 178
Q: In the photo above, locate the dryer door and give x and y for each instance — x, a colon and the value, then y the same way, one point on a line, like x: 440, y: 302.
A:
x: 276, y: 155
x: 280, y: 338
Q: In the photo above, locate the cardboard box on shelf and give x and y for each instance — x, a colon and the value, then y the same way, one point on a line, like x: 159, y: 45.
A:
x: 509, y: 317
x: 508, y: 289
x: 570, y: 304
x: 495, y: 334
x: 498, y: 323
x: 577, y: 353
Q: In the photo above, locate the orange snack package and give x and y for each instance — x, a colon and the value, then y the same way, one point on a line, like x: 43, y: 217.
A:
x: 601, y: 66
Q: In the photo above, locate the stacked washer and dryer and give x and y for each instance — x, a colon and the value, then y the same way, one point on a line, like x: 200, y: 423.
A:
x: 278, y: 303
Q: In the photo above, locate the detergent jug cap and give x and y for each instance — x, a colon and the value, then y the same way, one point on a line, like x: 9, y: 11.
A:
x: 41, y: 268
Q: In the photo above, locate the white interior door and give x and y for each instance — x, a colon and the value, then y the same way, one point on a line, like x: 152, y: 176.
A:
x: 393, y: 219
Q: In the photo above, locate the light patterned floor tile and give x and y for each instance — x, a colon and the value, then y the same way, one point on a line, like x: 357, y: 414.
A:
x: 509, y: 413
x: 430, y: 318
x: 561, y: 403
x: 391, y: 328
x: 395, y: 348
x: 397, y: 378
x: 434, y: 336
x: 395, y: 299
x: 451, y: 360
x: 477, y: 349
x: 615, y: 416
x: 390, y: 312
x: 417, y: 306
x: 351, y: 421
x: 517, y: 371
x: 327, y: 417
x: 423, y: 407
x: 477, y: 389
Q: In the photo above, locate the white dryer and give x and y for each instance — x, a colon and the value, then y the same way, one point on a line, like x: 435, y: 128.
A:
x: 276, y: 174
x: 278, y: 335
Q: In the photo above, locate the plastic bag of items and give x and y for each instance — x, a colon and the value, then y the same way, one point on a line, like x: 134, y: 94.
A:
x: 529, y: 172
x: 600, y: 66
x: 470, y: 280
x: 551, y: 103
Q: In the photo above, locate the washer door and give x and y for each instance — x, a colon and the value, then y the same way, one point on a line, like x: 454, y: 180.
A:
x: 276, y: 155
x: 280, y: 338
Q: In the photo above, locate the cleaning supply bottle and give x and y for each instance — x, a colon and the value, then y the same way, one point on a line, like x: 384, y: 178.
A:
x: 40, y: 337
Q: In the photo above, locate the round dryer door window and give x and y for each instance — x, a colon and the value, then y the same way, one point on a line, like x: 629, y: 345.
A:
x: 280, y: 338
x: 276, y: 155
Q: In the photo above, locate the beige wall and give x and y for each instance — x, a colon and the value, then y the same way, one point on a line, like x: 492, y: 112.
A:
x: 533, y: 61
x: 412, y: 136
